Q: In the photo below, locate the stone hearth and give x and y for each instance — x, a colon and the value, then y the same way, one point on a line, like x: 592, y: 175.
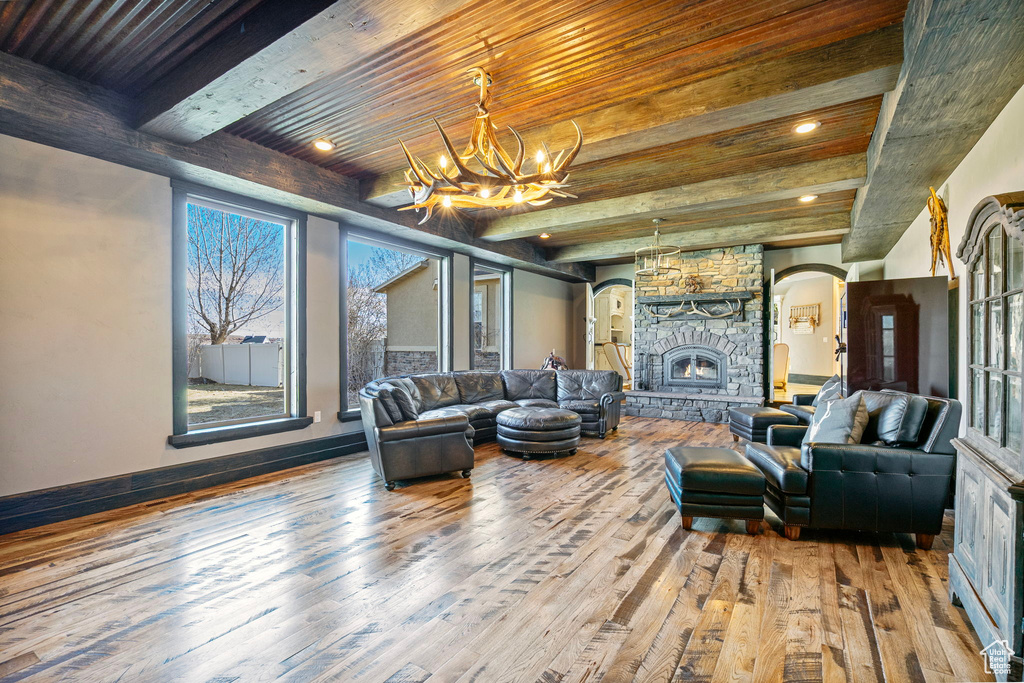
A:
x: 695, y: 367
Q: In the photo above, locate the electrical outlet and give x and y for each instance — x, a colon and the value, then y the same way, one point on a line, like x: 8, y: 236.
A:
x: 316, y: 416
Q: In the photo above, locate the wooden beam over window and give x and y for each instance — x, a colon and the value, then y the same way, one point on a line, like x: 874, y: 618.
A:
x: 41, y: 105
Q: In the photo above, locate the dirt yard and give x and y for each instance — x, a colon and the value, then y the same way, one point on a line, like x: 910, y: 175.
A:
x: 219, y: 402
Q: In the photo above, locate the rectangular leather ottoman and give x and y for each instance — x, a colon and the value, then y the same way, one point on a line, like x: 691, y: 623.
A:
x: 752, y: 423
x: 714, y: 482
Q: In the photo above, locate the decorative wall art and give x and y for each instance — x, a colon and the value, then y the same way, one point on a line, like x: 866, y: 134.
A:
x: 803, y: 319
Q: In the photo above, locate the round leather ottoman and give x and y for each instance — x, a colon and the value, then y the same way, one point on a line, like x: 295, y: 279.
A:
x: 537, y: 431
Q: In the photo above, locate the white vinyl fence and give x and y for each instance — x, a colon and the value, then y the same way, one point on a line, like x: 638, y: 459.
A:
x: 259, y: 365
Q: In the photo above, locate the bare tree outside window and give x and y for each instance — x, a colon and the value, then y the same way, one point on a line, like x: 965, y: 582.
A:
x: 236, y: 289
x: 235, y: 269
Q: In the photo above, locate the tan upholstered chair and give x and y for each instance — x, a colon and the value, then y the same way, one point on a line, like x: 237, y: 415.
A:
x: 780, y: 366
x: 618, y: 357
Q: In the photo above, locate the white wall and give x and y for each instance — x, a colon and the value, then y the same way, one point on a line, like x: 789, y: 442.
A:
x: 85, y: 276
x: 828, y: 254
x: 542, y: 318
x: 85, y: 273
x: 809, y: 354
x: 995, y: 165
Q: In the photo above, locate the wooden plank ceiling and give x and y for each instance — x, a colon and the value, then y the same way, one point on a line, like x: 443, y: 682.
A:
x: 125, y: 46
x: 687, y: 109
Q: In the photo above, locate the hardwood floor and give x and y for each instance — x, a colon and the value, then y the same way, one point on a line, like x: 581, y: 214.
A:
x: 572, y: 569
x: 786, y: 395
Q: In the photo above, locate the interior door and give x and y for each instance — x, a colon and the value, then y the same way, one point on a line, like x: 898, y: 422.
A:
x: 590, y: 320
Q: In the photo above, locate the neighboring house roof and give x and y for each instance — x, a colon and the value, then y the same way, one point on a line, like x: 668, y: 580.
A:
x: 383, y: 287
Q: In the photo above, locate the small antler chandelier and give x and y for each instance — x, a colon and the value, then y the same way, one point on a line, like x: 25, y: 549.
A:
x: 502, y: 182
x: 654, y: 260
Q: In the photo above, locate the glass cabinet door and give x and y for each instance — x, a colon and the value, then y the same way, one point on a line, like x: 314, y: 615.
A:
x: 996, y: 340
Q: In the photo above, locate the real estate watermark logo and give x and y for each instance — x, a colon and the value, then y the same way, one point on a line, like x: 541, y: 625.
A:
x: 997, y: 657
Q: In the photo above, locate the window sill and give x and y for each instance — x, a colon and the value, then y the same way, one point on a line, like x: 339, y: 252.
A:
x: 202, y: 437
x: 350, y: 415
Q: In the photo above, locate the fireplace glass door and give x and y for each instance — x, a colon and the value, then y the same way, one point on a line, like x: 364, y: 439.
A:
x: 695, y: 367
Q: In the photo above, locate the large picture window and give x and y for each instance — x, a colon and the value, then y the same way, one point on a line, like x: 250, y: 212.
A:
x: 490, y: 317
x: 237, y: 313
x: 397, y: 311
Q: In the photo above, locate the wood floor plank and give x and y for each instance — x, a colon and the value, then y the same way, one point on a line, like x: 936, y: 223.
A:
x: 554, y: 570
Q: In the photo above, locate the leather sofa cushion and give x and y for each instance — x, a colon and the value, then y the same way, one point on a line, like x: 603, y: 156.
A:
x: 802, y: 413
x: 472, y: 412
x: 760, y: 417
x: 716, y: 470
x: 436, y: 390
x: 536, y: 403
x: 780, y: 465
x: 586, y: 384
x: 538, y: 419
x: 477, y: 387
x: 424, y: 427
x: 498, y: 405
x: 586, y: 407
x: 893, y: 417
x: 520, y: 384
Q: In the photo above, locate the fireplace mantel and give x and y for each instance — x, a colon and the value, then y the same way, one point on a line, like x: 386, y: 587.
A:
x: 715, y: 301
x: 702, y: 297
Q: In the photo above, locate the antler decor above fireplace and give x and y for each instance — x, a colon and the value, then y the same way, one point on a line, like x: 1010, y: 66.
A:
x: 696, y: 306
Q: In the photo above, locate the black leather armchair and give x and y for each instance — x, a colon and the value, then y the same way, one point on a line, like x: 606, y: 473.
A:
x: 899, y: 482
x: 414, y: 448
x: 801, y: 406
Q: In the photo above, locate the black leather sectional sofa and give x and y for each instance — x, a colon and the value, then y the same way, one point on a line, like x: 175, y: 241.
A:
x: 424, y: 424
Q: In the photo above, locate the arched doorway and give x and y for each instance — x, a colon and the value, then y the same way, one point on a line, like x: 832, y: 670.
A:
x: 610, y: 323
x: 804, y: 327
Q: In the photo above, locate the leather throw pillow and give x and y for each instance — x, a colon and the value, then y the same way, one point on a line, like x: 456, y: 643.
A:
x: 832, y: 388
x: 841, y: 420
x: 407, y: 411
x: 390, y: 405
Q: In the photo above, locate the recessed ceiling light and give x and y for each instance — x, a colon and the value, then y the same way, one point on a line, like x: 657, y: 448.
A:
x: 544, y: 235
x: 808, y: 198
x: 323, y: 144
x: 806, y: 127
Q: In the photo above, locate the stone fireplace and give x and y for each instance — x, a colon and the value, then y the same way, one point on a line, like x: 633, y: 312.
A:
x: 699, y: 353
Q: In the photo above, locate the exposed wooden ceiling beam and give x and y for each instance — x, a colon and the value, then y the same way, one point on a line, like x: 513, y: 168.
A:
x: 43, y: 106
x: 717, y: 217
x: 964, y: 61
x: 285, y: 47
x: 845, y: 71
x: 816, y: 177
x: 830, y: 226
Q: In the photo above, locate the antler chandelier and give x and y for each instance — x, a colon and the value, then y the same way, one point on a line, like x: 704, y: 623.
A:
x: 503, y: 183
